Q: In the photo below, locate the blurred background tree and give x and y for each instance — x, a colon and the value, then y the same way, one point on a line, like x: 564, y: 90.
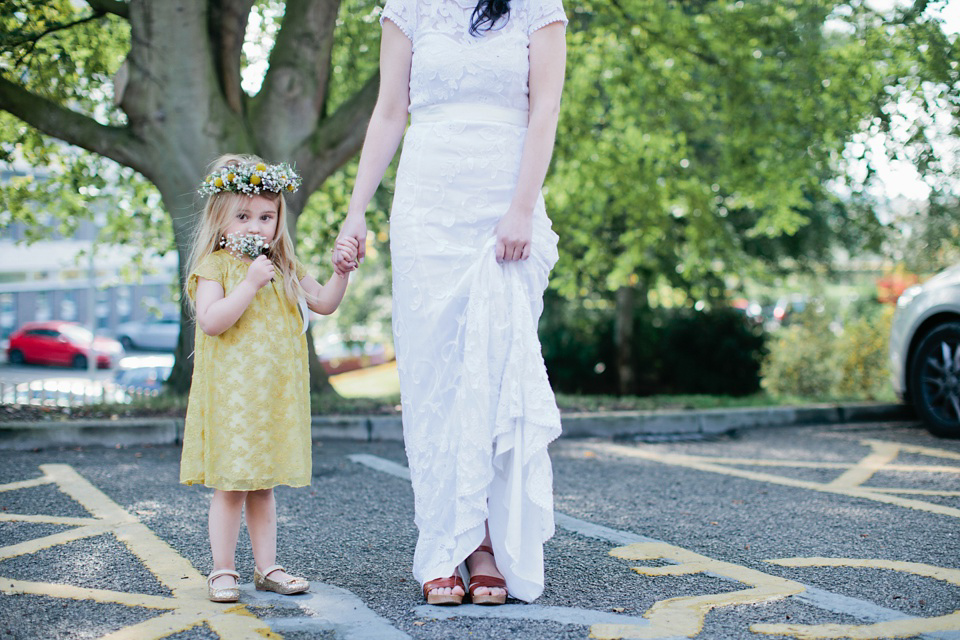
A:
x: 704, y: 144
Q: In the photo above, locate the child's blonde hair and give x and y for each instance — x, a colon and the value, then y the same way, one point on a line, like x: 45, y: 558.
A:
x: 217, y: 213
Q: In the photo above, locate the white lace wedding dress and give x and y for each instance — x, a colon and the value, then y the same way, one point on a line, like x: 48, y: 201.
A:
x: 478, y: 411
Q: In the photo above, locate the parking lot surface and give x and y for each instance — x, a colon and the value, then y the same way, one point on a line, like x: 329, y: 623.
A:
x: 806, y: 532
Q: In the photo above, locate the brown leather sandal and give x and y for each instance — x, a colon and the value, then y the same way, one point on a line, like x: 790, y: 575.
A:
x: 443, y: 583
x: 491, y: 582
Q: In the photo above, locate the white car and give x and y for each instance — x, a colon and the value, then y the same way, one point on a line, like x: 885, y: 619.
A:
x: 154, y: 333
x: 925, y: 351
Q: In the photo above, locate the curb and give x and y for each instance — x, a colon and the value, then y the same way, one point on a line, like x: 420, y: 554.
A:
x: 711, y: 422
x: 611, y: 424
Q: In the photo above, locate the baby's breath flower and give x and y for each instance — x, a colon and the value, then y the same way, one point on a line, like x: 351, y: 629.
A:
x: 250, y: 244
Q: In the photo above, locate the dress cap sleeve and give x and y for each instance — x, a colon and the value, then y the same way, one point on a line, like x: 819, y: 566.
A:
x: 211, y: 268
x: 402, y: 13
x: 544, y: 12
x: 299, y: 269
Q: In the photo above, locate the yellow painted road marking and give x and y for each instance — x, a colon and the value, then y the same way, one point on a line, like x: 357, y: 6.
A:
x: 812, y: 464
x: 849, y: 483
x: 924, y: 451
x: 188, y: 607
x: 719, y: 465
x: 4, y: 517
x: 26, y: 484
x: 683, y: 616
x: 907, y: 627
x: 39, y: 544
x: 882, y: 454
x: 775, y: 462
x: 18, y: 587
x: 916, y: 492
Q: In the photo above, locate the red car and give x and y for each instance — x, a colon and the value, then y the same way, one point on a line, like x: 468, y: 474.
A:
x: 61, y: 343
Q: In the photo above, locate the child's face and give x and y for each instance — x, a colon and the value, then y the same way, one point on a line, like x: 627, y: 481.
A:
x: 256, y: 215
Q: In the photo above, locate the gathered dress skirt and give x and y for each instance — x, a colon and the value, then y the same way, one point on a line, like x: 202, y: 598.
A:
x: 478, y: 410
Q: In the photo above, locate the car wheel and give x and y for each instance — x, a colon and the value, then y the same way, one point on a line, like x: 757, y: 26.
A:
x: 126, y: 342
x: 935, y: 380
x: 79, y: 362
x: 16, y: 357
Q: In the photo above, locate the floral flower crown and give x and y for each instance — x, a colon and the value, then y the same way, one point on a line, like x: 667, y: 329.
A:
x: 251, y: 179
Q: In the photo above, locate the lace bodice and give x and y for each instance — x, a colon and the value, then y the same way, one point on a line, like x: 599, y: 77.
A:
x: 451, y: 66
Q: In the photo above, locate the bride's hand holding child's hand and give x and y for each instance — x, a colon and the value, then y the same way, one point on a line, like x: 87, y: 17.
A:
x: 345, y: 255
x: 260, y: 271
x: 354, y: 229
x: 349, y: 248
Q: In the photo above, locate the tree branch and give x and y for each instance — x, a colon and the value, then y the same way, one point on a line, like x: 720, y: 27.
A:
x: 705, y: 57
x: 228, y: 24
x: 292, y: 95
x: 116, y: 7
x: 338, y: 137
x: 59, y: 27
x: 72, y: 127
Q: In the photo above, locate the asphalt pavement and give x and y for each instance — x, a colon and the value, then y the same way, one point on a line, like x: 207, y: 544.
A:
x: 841, y: 530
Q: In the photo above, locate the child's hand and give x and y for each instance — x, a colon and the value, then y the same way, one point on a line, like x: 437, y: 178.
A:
x: 260, y: 271
x: 345, y: 255
x: 348, y: 248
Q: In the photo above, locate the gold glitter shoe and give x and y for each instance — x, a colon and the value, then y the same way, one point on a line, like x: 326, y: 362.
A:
x: 227, y: 594
x: 285, y: 587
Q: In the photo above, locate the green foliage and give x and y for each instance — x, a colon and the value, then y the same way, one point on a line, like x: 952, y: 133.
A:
x: 802, y: 359
x: 678, y: 351
x: 365, y: 311
x: 577, y: 342
x: 863, y: 356
x: 83, y: 186
x: 666, y: 402
x: 356, y: 48
x: 715, y: 352
x: 697, y: 140
x: 926, y: 241
x: 808, y: 359
x: 66, y: 52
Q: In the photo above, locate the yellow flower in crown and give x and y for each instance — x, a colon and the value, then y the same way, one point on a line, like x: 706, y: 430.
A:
x: 251, y: 179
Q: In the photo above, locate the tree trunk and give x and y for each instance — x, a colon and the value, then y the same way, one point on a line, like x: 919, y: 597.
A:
x: 182, y: 372
x: 626, y: 373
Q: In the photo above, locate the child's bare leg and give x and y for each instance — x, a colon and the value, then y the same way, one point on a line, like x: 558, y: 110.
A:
x: 262, y: 525
x: 224, y: 524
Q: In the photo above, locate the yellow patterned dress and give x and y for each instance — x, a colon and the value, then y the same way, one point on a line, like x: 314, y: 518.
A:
x: 248, y: 415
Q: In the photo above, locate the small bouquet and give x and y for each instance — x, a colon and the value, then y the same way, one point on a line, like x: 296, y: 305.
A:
x: 249, y: 244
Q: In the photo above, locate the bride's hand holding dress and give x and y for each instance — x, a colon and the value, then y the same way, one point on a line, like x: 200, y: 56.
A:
x: 514, y: 235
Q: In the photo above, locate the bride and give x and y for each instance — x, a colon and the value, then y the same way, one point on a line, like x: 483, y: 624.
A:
x: 471, y: 249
